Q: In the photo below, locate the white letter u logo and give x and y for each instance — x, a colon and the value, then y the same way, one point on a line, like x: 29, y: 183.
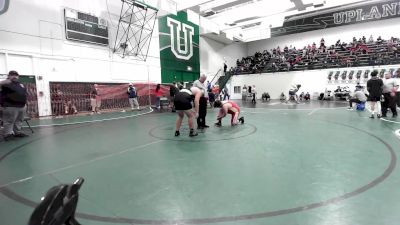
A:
x: 175, y: 27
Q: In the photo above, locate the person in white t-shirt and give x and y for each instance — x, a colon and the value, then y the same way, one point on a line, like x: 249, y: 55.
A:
x: 293, y: 93
x: 389, y: 91
x: 358, y: 97
x: 254, y: 93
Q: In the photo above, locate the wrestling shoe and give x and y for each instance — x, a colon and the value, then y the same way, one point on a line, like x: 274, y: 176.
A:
x: 193, y: 133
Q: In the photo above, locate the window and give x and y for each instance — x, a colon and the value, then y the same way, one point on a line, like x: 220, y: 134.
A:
x: 237, y: 90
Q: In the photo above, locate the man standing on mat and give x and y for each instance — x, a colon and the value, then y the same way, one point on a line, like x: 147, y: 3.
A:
x: 183, y: 105
x: 374, y: 87
x: 13, y: 99
x: 390, y: 87
x: 201, y: 120
x: 253, y: 91
x: 228, y: 107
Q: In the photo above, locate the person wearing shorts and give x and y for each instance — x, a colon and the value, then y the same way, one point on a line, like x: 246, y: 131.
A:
x: 183, y: 105
x: 228, y: 107
x: 293, y: 93
x: 375, y: 87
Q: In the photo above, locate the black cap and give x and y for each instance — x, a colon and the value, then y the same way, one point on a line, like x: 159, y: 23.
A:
x: 13, y: 73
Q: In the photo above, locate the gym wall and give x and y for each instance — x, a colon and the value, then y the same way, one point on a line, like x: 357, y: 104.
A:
x: 32, y: 41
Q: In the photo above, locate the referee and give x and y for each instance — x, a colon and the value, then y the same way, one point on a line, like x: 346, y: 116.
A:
x: 201, y: 120
x: 390, y: 87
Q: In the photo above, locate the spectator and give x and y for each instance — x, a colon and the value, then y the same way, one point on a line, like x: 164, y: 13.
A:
x: 244, y: 93
x: 225, y: 68
x: 58, y: 102
x: 301, y: 96
x: 379, y: 40
x: 265, y: 97
x: 338, y: 43
x: 307, y: 97
x: 358, y: 97
x: 95, y: 99
x: 158, y: 94
x: 308, y: 57
x: 68, y: 104
x: 322, y: 43
x: 372, y: 59
x: 282, y: 97
x: 386, y: 59
x: 70, y: 107
x: 226, y: 93
x: 209, y: 88
x: 13, y: 99
x: 211, y: 98
x: 133, y: 97
x: 215, y: 91
x: 253, y: 91
x: 371, y: 39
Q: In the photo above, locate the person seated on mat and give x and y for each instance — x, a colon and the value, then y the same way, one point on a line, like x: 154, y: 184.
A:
x: 282, y: 97
x: 265, y: 97
x: 228, y: 107
x: 307, y: 97
x: 301, y: 96
x: 358, y: 97
x: 183, y: 106
x: 70, y: 107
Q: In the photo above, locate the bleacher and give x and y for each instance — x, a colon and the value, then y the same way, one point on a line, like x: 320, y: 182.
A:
x: 353, y: 54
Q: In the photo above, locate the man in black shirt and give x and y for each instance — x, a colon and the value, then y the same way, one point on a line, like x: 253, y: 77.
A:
x: 225, y: 68
x: 173, y: 90
x: 13, y: 99
x: 374, y: 87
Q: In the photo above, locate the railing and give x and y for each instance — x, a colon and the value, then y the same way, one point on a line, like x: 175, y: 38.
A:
x: 223, y: 80
x: 216, y: 77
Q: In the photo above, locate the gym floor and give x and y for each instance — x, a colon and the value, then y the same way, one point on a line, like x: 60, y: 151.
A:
x: 308, y: 164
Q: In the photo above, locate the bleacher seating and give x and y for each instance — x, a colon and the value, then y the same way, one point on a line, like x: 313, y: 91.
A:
x: 353, y: 54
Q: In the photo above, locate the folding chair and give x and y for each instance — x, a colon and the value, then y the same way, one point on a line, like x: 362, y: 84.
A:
x: 26, y: 119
